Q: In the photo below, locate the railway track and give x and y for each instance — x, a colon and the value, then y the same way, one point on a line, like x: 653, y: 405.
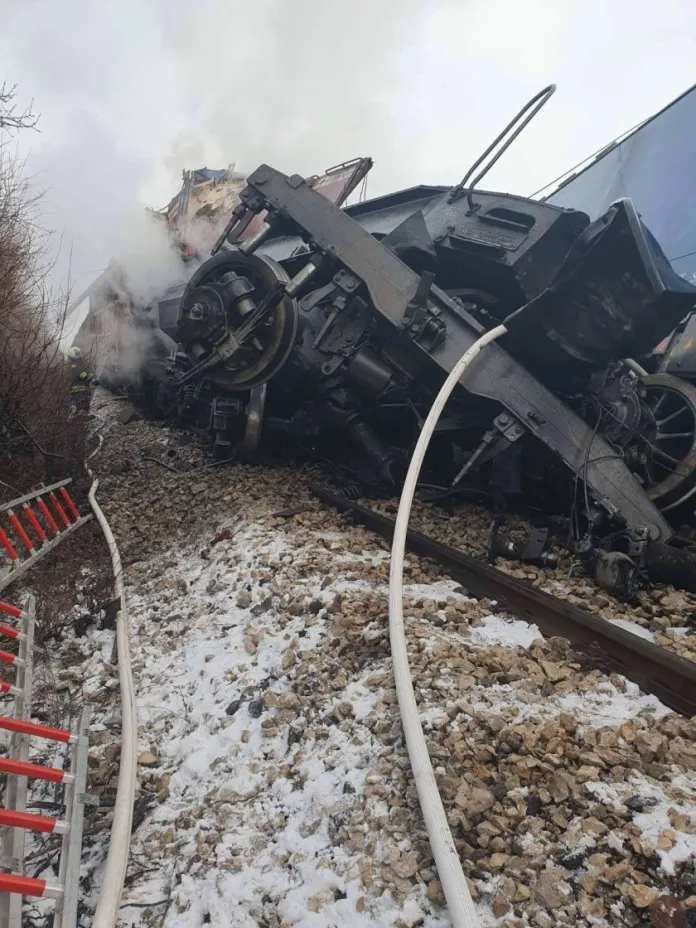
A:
x: 669, y: 677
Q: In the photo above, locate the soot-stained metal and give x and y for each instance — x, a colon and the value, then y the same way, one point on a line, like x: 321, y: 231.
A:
x: 324, y: 333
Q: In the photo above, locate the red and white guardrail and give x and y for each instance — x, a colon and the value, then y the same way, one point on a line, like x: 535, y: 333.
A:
x: 26, y: 886
x: 15, y: 821
x: 32, y: 525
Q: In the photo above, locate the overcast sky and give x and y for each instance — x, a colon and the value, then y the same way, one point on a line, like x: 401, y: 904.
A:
x: 132, y: 91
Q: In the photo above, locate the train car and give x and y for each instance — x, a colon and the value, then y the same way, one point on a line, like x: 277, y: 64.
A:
x: 311, y: 330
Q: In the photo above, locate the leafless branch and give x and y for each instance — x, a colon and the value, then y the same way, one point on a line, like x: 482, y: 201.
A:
x: 12, y: 118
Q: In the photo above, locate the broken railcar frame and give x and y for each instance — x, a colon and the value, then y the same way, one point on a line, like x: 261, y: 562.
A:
x: 441, y: 328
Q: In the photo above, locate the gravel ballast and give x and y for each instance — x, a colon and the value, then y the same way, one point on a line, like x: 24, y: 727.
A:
x: 274, y: 786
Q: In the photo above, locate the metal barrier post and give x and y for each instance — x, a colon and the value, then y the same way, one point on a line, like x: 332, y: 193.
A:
x: 71, y: 850
x: 16, y: 789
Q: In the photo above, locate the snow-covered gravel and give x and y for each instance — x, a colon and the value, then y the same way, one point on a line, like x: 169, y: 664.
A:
x: 274, y: 785
x: 660, y: 614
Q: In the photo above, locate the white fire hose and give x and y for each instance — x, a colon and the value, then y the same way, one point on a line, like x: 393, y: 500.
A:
x: 449, y: 868
x: 457, y: 895
x: 114, y: 874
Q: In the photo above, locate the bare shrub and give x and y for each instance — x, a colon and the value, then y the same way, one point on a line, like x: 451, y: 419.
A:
x: 12, y: 117
x: 34, y: 393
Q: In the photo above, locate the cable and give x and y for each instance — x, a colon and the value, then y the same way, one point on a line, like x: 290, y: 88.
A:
x: 619, y: 140
x: 119, y: 843
x: 609, y: 146
x: 679, y: 257
x: 574, y: 524
x: 449, y: 868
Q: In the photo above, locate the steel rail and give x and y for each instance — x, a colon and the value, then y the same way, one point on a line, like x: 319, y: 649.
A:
x: 669, y: 677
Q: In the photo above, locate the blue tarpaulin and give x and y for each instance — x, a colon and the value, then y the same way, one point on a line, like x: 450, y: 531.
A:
x: 202, y: 174
x: 655, y: 166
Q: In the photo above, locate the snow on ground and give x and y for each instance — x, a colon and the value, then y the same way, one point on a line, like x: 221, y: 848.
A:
x: 279, y: 790
x: 257, y: 788
x: 605, y: 706
x: 609, y: 706
x: 274, y: 786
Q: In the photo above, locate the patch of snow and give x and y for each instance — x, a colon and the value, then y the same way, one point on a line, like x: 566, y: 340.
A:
x: 513, y: 633
x: 439, y: 590
x: 654, y: 821
x: 361, y: 699
x: 353, y: 585
x: 366, y: 557
x: 433, y: 716
x: 608, y: 706
x: 634, y: 628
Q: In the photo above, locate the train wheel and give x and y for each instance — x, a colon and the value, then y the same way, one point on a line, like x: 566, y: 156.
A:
x: 262, y: 355
x: 666, y: 459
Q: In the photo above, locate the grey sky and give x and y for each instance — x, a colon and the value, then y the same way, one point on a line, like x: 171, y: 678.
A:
x: 132, y: 92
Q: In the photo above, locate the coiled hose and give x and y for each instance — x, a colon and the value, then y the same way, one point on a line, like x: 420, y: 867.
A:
x: 449, y: 868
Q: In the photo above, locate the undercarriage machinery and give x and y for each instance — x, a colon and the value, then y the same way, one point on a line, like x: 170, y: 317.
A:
x: 327, y: 332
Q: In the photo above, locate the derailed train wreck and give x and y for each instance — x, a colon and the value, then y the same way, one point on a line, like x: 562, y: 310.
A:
x: 328, y: 332
x: 339, y: 334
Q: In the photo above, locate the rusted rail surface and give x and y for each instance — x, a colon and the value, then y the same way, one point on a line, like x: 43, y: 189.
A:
x: 656, y: 670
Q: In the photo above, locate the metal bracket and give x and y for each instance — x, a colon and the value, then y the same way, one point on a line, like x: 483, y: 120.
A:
x: 509, y: 431
x: 535, y: 550
x: 508, y: 426
x: 346, y: 281
x: 632, y: 542
x: 422, y: 322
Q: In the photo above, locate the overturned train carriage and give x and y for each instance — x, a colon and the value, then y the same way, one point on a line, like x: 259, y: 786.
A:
x: 330, y: 331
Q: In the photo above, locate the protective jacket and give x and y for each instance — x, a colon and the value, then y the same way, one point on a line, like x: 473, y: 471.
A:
x: 80, y: 378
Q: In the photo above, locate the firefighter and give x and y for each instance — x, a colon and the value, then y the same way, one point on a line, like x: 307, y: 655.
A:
x: 80, y: 382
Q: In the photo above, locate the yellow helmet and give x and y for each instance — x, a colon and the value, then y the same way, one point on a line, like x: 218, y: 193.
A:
x: 74, y: 353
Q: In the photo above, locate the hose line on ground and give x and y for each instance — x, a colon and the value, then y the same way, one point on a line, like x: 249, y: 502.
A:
x: 454, y: 885
x: 114, y: 874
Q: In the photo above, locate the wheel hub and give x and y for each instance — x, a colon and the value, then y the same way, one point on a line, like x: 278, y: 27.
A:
x: 217, y: 309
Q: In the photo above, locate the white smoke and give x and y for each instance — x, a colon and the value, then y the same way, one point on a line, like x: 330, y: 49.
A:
x: 149, y: 260
x: 133, y: 92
